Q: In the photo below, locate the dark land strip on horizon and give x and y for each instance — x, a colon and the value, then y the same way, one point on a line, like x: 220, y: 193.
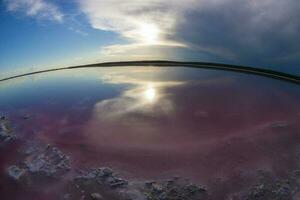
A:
x: 163, y: 63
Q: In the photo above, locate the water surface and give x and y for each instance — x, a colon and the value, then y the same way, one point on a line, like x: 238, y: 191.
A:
x: 151, y: 123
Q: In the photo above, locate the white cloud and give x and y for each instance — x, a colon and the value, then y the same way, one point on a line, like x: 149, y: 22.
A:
x: 142, y: 21
x: 136, y: 51
x: 148, y: 25
x: 35, y: 8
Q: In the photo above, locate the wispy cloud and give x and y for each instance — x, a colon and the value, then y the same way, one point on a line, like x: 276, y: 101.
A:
x: 35, y: 8
x: 136, y: 51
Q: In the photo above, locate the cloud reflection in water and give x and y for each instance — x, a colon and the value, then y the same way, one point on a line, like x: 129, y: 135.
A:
x: 144, y: 96
x: 133, y: 119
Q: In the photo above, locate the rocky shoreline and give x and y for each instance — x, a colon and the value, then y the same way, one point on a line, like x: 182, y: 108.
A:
x: 42, y: 163
x: 48, y: 162
x: 6, y: 132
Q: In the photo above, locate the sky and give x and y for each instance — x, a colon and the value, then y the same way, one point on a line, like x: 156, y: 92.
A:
x: 42, y: 34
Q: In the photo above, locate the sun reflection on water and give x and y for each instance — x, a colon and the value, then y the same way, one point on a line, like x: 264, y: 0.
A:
x: 150, y: 93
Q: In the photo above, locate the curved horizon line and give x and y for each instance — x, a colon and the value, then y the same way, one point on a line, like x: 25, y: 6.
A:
x: 165, y: 63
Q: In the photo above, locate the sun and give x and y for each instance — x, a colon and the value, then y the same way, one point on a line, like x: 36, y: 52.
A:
x: 149, y: 33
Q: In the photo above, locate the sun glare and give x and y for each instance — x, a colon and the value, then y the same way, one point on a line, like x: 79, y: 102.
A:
x: 150, y: 93
x: 149, y: 33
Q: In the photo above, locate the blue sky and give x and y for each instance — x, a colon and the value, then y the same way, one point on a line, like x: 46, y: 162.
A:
x: 33, y: 42
x: 39, y: 34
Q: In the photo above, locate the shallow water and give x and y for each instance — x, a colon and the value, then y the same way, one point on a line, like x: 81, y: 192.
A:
x: 216, y: 128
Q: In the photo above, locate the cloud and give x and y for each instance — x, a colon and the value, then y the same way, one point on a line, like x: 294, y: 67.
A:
x: 147, y: 21
x: 136, y: 51
x: 257, y: 32
x: 35, y: 8
x: 146, y: 24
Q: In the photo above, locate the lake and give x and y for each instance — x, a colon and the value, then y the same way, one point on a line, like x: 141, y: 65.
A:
x: 218, y: 129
